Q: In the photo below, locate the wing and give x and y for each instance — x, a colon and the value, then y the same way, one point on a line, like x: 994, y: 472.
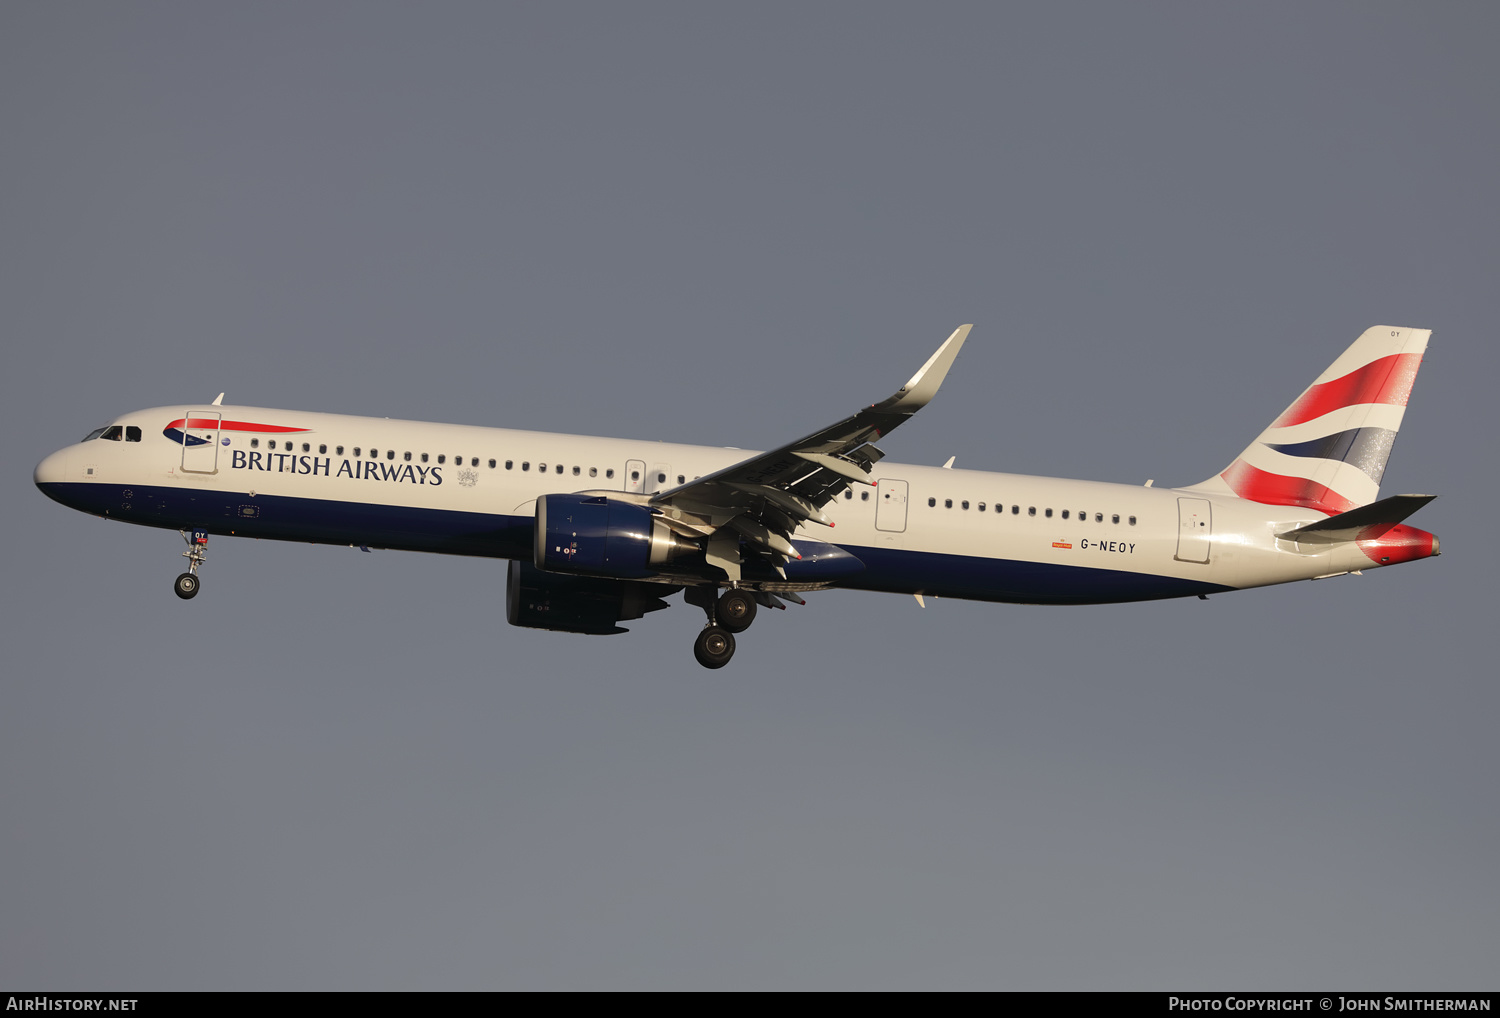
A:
x: 765, y: 498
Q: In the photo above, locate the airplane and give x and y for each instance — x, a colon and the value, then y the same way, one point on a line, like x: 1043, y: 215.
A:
x: 600, y: 531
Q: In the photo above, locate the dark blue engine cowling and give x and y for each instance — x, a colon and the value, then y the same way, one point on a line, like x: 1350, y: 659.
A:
x: 598, y: 536
x: 576, y: 604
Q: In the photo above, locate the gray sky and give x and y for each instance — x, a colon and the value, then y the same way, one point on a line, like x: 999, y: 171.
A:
x: 732, y: 224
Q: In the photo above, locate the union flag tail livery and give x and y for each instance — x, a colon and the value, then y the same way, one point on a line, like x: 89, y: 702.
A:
x: 602, y: 530
x: 1327, y: 451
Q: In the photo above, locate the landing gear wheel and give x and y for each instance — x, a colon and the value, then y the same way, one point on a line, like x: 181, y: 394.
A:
x: 736, y: 610
x: 187, y: 585
x: 714, y: 647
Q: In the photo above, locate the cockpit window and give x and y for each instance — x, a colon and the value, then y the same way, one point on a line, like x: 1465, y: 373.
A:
x: 93, y: 434
x: 132, y: 433
x: 113, y: 433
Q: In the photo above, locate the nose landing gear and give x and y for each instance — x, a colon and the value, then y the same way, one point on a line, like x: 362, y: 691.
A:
x: 186, y: 586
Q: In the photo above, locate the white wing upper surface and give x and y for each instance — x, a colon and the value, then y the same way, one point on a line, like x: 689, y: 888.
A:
x: 766, y: 497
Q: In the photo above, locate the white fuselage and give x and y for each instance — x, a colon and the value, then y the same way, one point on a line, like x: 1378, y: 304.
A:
x: 469, y: 490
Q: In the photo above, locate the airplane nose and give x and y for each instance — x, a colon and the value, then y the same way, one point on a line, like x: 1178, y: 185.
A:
x: 52, y: 470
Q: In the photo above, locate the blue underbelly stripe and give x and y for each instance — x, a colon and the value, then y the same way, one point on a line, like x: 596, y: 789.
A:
x: 454, y: 532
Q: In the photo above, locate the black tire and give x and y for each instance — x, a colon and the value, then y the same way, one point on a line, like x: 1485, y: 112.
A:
x: 714, y: 647
x: 735, y: 611
x: 186, y: 586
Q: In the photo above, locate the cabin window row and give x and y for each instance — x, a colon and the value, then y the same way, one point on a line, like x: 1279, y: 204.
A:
x: 442, y: 458
x: 1015, y: 510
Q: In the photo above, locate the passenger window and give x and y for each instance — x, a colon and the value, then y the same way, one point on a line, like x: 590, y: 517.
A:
x: 541, y: 468
x: 390, y: 454
x: 980, y: 507
x: 1098, y: 517
x: 307, y: 447
x: 356, y: 448
x: 593, y: 471
x: 965, y: 503
x: 681, y: 479
x: 661, y: 478
x: 406, y: 456
x: 322, y: 449
x: 1115, y: 518
x: 947, y: 503
x: 610, y: 472
x: 1065, y: 514
x: 864, y: 496
x: 931, y: 502
x: 424, y: 457
x: 577, y: 471
x: 509, y: 464
x: 1031, y: 511
x: 848, y: 494
x: 255, y: 444
x: 1049, y: 514
x: 1132, y: 521
x: 441, y: 457
x: 374, y: 454
x: 635, y: 475
x: 132, y: 433
x: 524, y: 465
x: 492, y: 464
x: 1015, y: 510
x: 338, y: 450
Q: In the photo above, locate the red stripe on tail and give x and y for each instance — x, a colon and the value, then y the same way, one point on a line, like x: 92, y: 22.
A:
x: 1385, y: 380
x: 1277, y: 489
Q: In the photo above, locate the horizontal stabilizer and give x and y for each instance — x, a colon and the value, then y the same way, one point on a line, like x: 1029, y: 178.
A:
x: 1382, y: 515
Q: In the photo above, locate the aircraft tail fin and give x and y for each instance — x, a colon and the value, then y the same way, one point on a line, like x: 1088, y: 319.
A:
x: 1328, y: 450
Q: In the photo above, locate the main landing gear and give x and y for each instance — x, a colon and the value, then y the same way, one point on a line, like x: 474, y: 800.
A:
x: 714, y: 647
x: 186, y: 586
x: 727, y: 615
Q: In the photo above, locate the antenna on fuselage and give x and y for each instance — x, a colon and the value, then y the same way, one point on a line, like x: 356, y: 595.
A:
x: 219, y: 401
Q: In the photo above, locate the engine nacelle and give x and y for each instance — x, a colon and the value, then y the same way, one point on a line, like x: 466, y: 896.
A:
x: 591, y: 535
x: 576, y: 604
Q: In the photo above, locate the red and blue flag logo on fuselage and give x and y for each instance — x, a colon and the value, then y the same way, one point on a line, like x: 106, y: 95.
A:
x: 178, y: 430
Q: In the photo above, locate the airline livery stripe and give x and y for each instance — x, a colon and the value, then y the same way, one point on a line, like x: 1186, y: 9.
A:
x: 1384, y: 380
x: 1365, y: 448
x: 212, y: 423
x: 1258, y: 485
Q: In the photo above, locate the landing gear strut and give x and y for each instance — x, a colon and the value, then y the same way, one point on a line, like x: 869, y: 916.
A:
x: 186, y: 586
x: 726, y: 616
